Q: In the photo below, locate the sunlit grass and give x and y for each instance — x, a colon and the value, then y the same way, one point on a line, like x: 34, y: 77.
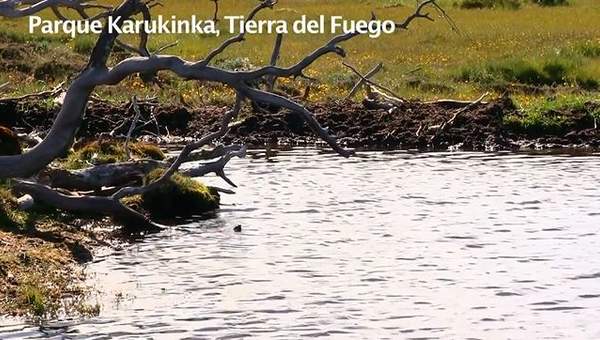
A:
x: 533, y: 34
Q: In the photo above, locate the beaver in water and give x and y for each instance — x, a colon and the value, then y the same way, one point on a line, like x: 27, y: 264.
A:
x: 9, y: 142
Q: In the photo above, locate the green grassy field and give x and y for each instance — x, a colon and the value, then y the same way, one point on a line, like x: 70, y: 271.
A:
x: 544, y: 56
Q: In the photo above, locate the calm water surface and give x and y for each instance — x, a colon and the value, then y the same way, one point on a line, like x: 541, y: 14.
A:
x: 395, y: 245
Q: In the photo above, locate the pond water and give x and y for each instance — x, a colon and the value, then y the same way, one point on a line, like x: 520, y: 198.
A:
x: 379, y: 246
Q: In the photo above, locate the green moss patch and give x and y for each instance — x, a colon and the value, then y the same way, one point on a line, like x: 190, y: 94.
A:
x: 109, y: 151
x: 180, y: 196
x: 9, y: 142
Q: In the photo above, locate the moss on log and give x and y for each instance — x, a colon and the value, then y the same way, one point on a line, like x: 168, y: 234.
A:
x: 180, y: 196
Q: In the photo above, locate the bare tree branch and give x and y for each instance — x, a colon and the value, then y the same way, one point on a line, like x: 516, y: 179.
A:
x: 277, y: 100
x: 132, y: 219
x: 136, y: 118
x: 241, y: 36
x: 216, y: 12
x: 98, y: 73
x: 361, y: 82
x: 274, y: 58
x: 372, y: 83
x: 43, y: 94
x: 183, y: 155
x: 129, y: 173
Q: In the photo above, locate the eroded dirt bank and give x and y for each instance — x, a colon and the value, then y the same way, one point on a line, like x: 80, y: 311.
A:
x: 38, y: 261
x: 411, y: 125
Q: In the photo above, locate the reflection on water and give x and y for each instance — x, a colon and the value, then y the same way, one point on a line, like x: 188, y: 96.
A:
x: 392, y: 245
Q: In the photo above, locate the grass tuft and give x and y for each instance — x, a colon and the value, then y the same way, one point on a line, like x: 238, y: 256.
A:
x: 555, y: 71
x: 84, y: 44
x: 10, y: 216
x: 35, y: 299
x: 588, y: 49
x: 107, y: 152
x: 549, y: 3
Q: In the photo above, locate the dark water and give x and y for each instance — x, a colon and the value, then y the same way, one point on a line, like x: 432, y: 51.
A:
x: 395, y: 246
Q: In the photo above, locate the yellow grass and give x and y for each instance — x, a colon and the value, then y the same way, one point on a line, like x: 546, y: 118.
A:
x: 531, y: 33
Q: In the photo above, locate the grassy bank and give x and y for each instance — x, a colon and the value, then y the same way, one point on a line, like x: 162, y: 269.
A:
x: 40, y: 250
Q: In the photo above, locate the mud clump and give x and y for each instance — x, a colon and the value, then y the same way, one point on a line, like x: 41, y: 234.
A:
x: 9, y: 142
x: 179, y: 196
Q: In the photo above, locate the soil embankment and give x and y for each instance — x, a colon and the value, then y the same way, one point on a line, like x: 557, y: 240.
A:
x: 410, y: 125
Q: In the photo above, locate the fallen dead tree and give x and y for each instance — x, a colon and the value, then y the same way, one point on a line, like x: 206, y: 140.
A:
x: 30, y: 171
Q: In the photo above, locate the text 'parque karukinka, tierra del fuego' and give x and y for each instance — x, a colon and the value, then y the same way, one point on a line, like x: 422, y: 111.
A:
x: 232, y: 24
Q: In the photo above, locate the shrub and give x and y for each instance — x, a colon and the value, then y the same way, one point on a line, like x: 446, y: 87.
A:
x: 481, y: 4
x: 524, y: 73
x: 551, y: 2
x: 556, y: 71
x: 12, y: 36
x: 586, y: 82
x: 53, y: 70
x: 588, y: 50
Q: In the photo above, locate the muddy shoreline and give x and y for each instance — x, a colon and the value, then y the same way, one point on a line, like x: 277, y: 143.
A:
x: 412, y: 125
x: 362, y: 125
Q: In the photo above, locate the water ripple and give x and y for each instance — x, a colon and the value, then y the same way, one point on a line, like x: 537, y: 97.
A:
x: 390, y: 245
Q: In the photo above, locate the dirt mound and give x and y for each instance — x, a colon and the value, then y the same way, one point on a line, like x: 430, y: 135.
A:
x: 408, y: 126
